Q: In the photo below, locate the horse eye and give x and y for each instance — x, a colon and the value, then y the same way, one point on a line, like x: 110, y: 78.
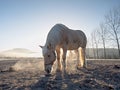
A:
x: 48, y: 55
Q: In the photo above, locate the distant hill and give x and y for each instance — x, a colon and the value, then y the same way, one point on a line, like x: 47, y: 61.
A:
x: 17, y: 52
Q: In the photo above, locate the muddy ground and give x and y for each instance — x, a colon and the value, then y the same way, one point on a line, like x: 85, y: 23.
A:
x: 29, y: 75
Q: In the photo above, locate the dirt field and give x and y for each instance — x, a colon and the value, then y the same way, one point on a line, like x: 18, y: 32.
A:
x: 29, y: 75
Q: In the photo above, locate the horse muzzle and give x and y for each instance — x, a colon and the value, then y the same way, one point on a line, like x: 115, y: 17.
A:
x: 48, y: 68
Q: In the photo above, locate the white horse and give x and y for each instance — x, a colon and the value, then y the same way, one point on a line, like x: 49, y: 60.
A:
x: 59, y: 37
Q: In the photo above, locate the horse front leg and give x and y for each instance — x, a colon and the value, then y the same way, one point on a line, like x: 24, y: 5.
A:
x: 64, y: 59
x: 59, y: 66
x: 78, y: 59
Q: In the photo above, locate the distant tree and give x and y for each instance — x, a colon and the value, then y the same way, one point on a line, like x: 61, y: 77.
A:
x: 112, y: 20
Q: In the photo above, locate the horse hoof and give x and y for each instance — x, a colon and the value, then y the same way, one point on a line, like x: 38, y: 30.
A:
x: 58, y: 70
x: 79, y: 67
x: 84, y: 66
x: 48, y: 75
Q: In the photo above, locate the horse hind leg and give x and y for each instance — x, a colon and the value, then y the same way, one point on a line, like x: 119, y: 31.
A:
x: 82, y: 57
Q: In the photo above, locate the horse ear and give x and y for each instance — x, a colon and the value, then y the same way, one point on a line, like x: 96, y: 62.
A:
x: 40, y: 46
x: 49, y: 46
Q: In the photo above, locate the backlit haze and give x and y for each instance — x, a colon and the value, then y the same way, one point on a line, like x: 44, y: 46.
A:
x: 26, y: 23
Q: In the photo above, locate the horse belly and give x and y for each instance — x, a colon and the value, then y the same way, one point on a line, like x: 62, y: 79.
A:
x: 72, y: 46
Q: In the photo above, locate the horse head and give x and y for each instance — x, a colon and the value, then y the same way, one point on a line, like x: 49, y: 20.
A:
x: 49, y: 57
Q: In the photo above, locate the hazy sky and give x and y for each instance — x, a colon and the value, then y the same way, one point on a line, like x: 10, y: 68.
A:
x: 25, y: 23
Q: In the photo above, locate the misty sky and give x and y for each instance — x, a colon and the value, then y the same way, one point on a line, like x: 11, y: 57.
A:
x: 25, y: 23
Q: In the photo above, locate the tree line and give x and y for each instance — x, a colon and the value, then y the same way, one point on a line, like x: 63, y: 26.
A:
x: 107, y: 35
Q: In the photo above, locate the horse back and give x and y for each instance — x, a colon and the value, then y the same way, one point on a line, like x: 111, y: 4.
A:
x: 61, y: 35
x: 75, y: 39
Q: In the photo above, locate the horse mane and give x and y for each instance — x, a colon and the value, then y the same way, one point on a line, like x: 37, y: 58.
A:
x: 54, y: 35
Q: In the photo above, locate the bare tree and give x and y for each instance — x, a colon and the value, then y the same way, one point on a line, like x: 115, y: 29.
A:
x: 95, y: 42
x: 102, y: 32
x: 89, y: 45
x: 92, y: 39
x: 113, y: 23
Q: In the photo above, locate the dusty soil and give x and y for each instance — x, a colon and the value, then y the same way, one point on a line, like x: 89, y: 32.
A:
x: 99, y: 75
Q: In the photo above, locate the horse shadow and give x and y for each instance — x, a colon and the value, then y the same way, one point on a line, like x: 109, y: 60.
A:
x: 62, y: 81
x: 83, y: 79
x: 58, y: 81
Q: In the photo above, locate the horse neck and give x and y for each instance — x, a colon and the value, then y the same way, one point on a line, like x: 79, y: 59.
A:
x: 53, y: 45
